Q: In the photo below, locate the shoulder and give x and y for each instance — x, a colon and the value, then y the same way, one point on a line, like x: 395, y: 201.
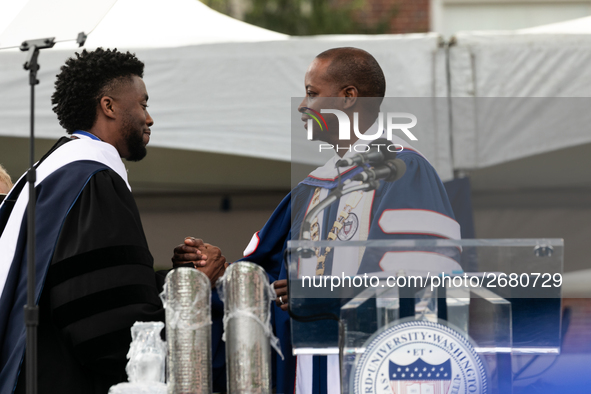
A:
x: 77, y: 154
x: 104, y: 215
x: 107, y: 192
x: 416, y: 161
x: 109, y: 181
x: 419, y: 188
x: 419, y: 174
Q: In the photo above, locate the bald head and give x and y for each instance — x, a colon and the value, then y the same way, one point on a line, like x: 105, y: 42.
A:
x: 356, y: 67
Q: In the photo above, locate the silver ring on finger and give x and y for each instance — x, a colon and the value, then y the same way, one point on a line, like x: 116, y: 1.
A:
x: 281, y: 300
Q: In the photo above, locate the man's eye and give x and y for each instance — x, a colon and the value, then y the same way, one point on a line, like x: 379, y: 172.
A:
x: 311, y: 94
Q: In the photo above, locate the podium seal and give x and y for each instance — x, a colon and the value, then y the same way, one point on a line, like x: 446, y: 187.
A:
x: 419, y: 357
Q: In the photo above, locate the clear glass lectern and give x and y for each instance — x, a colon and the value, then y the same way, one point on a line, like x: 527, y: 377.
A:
x: 502, y: 295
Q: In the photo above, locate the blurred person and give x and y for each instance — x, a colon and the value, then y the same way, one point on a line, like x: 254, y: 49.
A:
x: 95, y: 274
x: 417, y: 203
x: 5, y: 182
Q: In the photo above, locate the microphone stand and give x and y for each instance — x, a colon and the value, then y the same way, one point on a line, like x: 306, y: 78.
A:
x: 31, y: 309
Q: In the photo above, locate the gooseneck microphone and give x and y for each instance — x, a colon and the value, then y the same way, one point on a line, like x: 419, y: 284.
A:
x: 377, y: 153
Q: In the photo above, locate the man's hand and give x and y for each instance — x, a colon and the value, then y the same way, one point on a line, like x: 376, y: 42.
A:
x: 281, y: 290
x: 188, y: 252
x: 205, y: 257
x: 215, y: 263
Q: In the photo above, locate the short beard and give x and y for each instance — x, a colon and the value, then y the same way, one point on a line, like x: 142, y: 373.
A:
x: 135, y: 144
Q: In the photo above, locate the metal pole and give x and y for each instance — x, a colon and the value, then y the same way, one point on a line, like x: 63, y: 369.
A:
x: 31, y: 312
x: 31, y: 309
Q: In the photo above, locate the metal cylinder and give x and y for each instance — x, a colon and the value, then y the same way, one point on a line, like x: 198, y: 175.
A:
x: 188, y: 331
x: 246, y: 312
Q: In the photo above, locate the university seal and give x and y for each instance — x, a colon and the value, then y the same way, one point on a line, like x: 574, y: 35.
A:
x: 419, y: 357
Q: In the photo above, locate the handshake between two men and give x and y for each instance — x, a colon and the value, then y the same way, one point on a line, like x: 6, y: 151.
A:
x: 209, y: 260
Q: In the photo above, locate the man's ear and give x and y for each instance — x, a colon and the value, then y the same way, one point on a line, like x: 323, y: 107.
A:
x: 106, y: 107
x: 351, y: 93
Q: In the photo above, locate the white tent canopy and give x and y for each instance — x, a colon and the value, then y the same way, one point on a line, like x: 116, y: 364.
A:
x: 125, y: 24
x: 173, y: 23
x: 232, y: 98
x: 573, y: 26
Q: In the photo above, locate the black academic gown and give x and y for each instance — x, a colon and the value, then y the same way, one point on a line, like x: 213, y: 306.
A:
x: 100, y: 281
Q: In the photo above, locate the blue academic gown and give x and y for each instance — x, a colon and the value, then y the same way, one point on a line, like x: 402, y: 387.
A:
x: 420, y: 188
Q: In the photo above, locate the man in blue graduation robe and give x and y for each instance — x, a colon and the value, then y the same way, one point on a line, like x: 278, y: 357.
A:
x: 415, y: 206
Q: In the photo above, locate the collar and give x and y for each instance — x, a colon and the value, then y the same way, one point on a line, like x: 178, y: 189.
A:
x: 85, y: 134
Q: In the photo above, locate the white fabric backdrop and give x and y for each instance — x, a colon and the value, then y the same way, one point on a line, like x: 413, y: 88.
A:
x: 235, y: 98
x: 518, y: 64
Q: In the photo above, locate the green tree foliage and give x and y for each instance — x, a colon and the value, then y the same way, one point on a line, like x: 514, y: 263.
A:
x: 308, y: 17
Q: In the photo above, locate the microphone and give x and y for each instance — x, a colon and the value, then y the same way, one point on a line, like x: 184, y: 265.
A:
x: 378, y: 152
x: 391, y: 170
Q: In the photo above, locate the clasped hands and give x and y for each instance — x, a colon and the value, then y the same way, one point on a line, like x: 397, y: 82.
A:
x: 209, y: 260
x: 204, y: 257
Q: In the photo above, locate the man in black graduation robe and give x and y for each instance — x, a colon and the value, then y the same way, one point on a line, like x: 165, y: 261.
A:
x: 95, y: 274
x: 100, y: 281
